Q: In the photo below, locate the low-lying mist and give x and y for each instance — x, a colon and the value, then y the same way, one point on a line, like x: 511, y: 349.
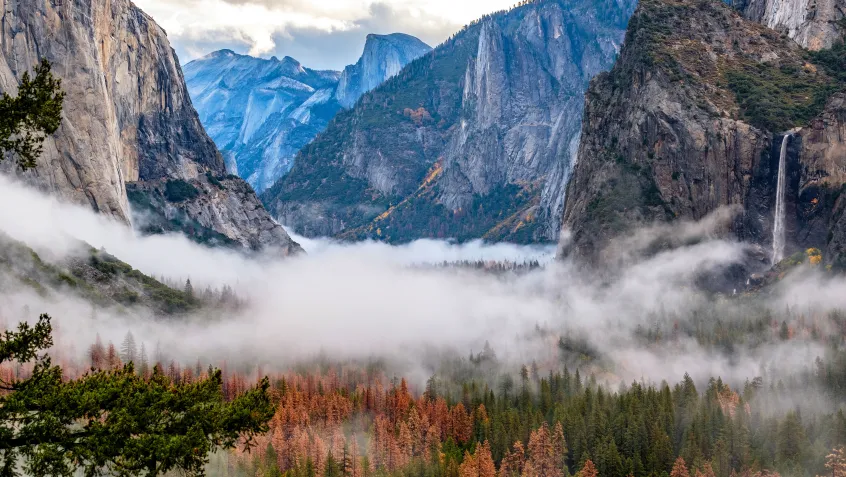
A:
x: 370, y: 301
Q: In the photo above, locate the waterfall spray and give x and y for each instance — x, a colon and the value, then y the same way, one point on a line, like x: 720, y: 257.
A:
x: 780, y: 209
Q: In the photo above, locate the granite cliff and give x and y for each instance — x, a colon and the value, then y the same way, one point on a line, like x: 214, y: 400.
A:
x: 127, y: 116
x: 692, y: 120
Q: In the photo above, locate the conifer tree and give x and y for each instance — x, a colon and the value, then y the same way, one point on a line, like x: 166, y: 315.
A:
x: 27, y: 118
x: 113, y: 420
x: 128, y: 349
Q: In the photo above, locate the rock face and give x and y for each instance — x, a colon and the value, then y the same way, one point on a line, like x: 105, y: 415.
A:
x: 262, y: 112
x: 219, y: 211
x: 814, y: 24
x: 473, y: 140
x: 127, y: 115
x: 384, y: 56
x: 818, y: 200
x: 691, y: 120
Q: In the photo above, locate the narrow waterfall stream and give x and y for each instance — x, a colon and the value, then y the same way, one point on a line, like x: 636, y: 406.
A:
x: 780, y: 209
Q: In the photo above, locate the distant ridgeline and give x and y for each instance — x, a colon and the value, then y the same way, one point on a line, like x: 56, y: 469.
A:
x: 474, y: 140
x: 261, y: 112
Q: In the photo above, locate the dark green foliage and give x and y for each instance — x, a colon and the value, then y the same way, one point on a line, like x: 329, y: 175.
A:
x: 161, y: 297
x: 833, y: 61
x: 115, y: 421
x: 99, y: 278
x: 214, y: 181
x: 25, y: 120
x: 178, y: 190
x: 777, y: 98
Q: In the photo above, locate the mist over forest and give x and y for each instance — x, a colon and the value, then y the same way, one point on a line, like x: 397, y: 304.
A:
x: 578, y: 238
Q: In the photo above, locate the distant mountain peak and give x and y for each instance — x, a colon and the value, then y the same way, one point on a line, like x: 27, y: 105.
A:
x: 383, y: 57
x: 262, y: 111
x: 226, y: 52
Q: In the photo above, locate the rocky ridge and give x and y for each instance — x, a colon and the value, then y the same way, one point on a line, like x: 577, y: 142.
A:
x: 384, y: 56
x: 814, y: 24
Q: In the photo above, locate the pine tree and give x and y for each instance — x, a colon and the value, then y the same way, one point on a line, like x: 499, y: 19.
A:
x: 112, y: 357
x: 589, y: 470
x: 836, y: 462
x: 679, y: 469
x: 97, y: 354
x: 113, y: 419
x: 189, y: 290
x: 145, y: 365
x: 128, y: 349
x: 484, y: 461
x: 27, y: 119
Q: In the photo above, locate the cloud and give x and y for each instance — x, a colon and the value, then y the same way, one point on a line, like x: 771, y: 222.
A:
x: 363, y: 301
x: 322, y: 34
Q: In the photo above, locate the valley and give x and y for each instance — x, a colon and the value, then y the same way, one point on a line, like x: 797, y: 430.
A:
x: 590, y: 238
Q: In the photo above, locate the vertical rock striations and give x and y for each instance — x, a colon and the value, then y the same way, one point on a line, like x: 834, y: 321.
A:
x: 814, y: 24
x: 384, y: 56
x: 473, y: 140
x: 260, y: 112
x: 127, y: 115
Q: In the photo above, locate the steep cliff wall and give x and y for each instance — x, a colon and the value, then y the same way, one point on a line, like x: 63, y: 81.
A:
x: 472, y: 140
x: 384, y: 56
x: 691, y: 120
x: 819, y: 197
x: 814, y: 24
x: 127, y: 114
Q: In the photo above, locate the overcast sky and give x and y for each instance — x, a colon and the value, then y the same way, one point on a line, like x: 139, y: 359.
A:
x: 323, y: 34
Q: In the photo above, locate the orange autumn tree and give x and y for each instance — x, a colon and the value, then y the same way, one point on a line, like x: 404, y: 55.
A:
x: 588, y: 470
x: 679, y: 469
x: 480, y: 464
x: 547, y: 450
x: 705, y: 471
x: 512, y: 462
x: 836, y: 462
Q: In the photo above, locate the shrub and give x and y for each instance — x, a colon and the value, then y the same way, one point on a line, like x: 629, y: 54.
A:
x: 178, y: 190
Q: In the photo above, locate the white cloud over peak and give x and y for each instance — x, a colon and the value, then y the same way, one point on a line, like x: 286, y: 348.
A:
x: 323, y: 34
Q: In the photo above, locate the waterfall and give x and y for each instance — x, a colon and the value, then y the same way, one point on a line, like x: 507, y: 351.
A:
x: 780, y: 209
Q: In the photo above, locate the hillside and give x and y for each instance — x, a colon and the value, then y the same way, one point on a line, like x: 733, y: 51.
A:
x: 90, y: 275
x: 472, y: 140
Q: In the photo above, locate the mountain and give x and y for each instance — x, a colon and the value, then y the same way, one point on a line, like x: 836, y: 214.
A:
x: 814, y: 24
x: 127, y: 116
x: 262, y: 112
x: 699, y: 113
x: 472, y: 140
x: 384, y: 56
